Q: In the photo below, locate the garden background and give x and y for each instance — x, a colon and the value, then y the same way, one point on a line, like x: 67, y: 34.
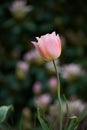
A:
x: 24, y: 76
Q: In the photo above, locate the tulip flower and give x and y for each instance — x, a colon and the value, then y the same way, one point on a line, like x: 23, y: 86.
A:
x: 49, y: 46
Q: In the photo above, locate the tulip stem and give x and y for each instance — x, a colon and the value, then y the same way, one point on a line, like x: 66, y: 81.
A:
x: 59, y: 98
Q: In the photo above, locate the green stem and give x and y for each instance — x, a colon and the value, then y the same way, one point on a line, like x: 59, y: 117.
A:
x: 59, y: 99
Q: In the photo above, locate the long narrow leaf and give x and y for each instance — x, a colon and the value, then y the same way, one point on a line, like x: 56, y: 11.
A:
x: 73, y: 124
x: 67, y: 113
x: 42, y: 122
x: 83, y: 115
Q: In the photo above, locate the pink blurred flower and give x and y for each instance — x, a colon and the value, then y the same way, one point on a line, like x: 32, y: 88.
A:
x: 53, y: 84
x: 75, y: 107
x: 49, y: 46
x: 37, y: 87
x: 22, y: 65
x: 71, y: 71
x: 32, y: 55
x: 50, y: 67
x: 43, y: 101
x: 19, y: 9
x: 22, y: 68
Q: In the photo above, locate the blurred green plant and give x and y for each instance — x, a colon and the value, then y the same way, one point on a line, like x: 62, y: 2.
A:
x: 4, y: 110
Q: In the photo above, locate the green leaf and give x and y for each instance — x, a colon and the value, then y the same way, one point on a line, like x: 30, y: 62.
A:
x: 83, y: 115
x: 73, y: 124
x: 75, y: 121
x: 42, y: 122
x: 67, y: 113
x: 4, y: 110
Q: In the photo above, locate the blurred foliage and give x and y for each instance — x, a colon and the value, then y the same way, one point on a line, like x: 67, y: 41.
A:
x: 66, y: 17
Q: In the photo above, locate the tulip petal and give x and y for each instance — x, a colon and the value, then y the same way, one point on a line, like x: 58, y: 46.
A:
x: 49, y: 46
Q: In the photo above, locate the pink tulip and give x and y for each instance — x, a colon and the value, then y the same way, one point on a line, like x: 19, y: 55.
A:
x: 49, y: 46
